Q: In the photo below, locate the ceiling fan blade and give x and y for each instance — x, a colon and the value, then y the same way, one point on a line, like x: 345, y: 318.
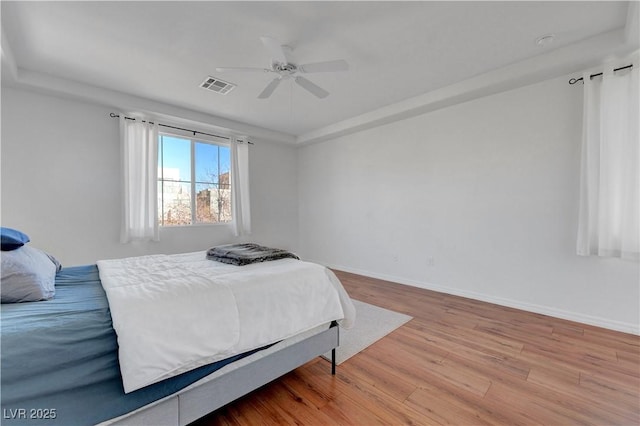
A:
x: 270, y: 88
x: 275, y: 48
x: 328, y: 66
x: 242, y: 69
x: 312, y: 87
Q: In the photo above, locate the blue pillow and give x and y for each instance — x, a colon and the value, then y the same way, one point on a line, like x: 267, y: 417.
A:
x: 12, y: 239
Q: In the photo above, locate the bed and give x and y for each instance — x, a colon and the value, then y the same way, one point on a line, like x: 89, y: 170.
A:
x: 61, y: 362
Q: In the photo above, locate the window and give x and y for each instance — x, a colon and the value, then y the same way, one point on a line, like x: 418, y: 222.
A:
x: 194, y: 185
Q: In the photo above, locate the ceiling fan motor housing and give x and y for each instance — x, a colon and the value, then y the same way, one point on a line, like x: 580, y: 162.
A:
x: 284, y: 68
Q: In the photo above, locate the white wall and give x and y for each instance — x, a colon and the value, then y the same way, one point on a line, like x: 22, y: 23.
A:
x: 60, y: 184
x: 479, y: 199
x: 487, y: 189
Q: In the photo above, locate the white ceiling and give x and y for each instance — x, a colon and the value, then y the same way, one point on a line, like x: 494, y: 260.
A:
x: 162, y: 51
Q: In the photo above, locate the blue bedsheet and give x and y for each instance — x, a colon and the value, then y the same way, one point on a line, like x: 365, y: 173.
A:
x: 59, y: 358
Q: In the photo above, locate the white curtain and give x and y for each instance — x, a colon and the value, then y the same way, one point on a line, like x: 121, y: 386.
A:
x: 609, y: 221
x: 240, y: 205
x: 139, y: 157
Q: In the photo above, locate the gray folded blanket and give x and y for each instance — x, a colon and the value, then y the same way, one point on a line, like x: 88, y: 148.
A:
x: 247, y: 253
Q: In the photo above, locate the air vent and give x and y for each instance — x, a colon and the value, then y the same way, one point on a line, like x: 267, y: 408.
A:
x: 217, y: 85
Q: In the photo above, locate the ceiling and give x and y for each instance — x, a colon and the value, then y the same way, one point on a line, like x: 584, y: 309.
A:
x: 397, y: 51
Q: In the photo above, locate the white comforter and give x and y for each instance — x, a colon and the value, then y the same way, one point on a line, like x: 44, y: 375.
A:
x: 174, y: 313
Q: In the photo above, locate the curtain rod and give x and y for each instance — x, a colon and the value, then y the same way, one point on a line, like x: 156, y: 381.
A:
x: 195, y: 132
x: 575, y: 80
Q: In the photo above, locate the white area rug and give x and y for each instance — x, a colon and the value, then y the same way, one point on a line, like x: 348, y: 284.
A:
x: 372, y: 324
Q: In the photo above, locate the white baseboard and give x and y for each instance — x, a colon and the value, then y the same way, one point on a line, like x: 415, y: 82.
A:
x: 529, y: 307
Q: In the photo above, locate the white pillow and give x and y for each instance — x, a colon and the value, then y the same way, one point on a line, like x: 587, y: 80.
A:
x: 28, y: 275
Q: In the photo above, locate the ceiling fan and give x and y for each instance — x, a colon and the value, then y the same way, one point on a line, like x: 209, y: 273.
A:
x: 283, y: 64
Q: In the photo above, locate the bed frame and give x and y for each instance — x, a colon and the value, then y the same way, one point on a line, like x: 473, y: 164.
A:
x: 188, y: 406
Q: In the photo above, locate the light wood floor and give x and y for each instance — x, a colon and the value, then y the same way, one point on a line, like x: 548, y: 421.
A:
x: 459, y: 361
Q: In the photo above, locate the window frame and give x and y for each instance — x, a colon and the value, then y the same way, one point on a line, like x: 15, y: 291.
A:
x: 193, y: 139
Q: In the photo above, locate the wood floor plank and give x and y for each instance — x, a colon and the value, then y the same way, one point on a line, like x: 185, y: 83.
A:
x: 441, y: 402
x: 613, y: 339
x: 537, y: 406
x: 373, y: 400
x: 387, y: 380
x: 296, y: 406
x: 461, y: 362
x: 605, y: 387
x: 568, y: 330
x: 454, y: 338
x: 549, y: 374
x: 629, y: 362
x: 444, y: 411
